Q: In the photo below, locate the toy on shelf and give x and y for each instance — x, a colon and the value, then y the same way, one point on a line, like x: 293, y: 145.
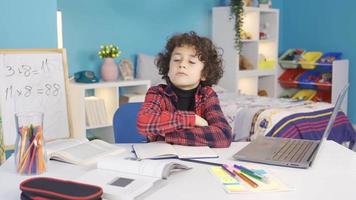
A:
x: 245, y: 35
x: 265, y: 63
x: 264, y: 35
x: 248, y: 3
x: 245, y: 64
x: 262, y: 93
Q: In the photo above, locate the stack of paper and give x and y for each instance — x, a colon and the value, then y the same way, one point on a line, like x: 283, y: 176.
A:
x: 95, y: 111
x: 233, y: 184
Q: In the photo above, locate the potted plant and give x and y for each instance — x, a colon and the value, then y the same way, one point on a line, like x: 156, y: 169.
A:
x: 237, y: 11
x: 109, y: 70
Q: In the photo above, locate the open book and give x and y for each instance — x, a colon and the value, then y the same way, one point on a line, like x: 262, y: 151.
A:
x: 80, y: 151
x: 164, y: 150
x: 129, y: 179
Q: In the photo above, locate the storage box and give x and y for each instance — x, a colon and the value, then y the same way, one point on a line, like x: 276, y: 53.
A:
x: 304, y: 94
x: 309, y: 59
x: 327, y: 60
x: 289, y: 77
x: 308, y: 79
x: 322, y: 96
x: 324, y: 81
x: 290, y: 58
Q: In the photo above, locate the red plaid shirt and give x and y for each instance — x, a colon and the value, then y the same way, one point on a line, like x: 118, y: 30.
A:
x: 159, y: 119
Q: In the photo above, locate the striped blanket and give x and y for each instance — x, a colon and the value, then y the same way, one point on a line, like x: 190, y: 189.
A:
x: 252, y: 116
x: 311, y: 126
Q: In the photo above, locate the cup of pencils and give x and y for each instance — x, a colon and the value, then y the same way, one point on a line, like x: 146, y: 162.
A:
x: 30, y: 153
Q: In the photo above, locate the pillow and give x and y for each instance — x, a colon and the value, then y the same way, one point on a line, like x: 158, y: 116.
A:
x: 146, y: 69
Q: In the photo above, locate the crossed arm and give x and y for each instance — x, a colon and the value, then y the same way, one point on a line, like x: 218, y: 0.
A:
x: 184, y: 127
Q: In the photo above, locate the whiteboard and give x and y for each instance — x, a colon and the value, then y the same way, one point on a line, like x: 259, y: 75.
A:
x: 34, y: 81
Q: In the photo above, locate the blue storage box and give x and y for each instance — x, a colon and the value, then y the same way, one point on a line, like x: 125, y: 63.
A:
x: 327, y: 59
x: 308, y: 79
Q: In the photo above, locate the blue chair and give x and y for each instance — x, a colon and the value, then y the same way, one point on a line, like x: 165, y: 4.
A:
x: 124, y: 124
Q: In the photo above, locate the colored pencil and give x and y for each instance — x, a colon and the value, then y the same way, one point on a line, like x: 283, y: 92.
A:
x: 246, y: 179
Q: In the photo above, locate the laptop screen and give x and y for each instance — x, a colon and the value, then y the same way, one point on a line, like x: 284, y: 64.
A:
x: 336, y: 109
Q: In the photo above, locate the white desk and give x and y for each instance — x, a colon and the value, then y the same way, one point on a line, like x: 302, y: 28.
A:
x: 332, y: 176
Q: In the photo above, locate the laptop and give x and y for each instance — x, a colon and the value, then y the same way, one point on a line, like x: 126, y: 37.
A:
x: 298, y: 153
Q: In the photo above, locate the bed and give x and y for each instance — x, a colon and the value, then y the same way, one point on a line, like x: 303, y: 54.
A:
x: 251, y: 116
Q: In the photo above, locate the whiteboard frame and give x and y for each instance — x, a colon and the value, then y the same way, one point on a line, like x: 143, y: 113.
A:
x: 63, y: 52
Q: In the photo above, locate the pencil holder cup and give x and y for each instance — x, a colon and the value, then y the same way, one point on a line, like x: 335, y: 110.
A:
x: 30, y: 152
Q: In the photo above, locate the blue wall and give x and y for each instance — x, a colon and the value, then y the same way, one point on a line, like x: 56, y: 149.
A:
x: 136, y: 26
x: 323, y: 25
x: 28, y: 24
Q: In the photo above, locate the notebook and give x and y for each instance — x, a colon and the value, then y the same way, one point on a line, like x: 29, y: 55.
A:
x: 288, y: 152
x: 157, y: 150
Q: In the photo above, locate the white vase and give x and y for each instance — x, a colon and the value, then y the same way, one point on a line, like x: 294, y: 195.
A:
x: 109, y: 70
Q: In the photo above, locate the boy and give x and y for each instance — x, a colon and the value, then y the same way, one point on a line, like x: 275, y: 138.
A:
x: 186, y: 110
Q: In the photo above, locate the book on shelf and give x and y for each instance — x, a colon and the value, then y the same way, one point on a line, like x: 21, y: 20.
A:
x: 237, y: 185
x: 165, y: 150
x: 80, y: 151
x: 123, y: 178
x: 95, y: 111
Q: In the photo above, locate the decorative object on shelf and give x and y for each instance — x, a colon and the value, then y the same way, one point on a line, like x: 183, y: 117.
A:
x: 245, y: 64
x: 262, y: 93
x: 237, y: 11
x: 264, y: 35
x: 265, y: 3
x: 265, y: 63
x: 244, y: 35
x: 85, y: 77
x: 248, y: 3
x: 125, y: 67
x: 109, y: 70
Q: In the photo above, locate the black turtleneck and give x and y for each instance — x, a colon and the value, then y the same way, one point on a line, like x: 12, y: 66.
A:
x: 186, y: 98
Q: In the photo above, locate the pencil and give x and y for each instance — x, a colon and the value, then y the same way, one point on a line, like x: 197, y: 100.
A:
x: 246, y: 179
x: 201, y: 161
x: 251, y: 173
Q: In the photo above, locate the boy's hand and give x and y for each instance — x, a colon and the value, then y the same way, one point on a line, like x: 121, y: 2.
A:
x: 199, y: 121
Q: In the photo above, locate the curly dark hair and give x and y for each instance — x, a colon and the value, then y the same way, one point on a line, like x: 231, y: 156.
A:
x: 206, y: 51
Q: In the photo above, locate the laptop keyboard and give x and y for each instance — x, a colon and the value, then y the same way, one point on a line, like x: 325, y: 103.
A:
x: 292, y: 151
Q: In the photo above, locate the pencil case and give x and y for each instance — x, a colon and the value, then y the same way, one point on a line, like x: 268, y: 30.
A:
x: 51, y: 188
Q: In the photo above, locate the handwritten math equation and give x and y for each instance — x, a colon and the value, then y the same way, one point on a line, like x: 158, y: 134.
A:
x: 27, y: 70
x: 28, y: 90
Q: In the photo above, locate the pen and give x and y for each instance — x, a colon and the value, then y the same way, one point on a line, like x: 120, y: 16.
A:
x: 251, y: 173
x: 246, y: 179
x: 201, y: 162
x: 226, y: 168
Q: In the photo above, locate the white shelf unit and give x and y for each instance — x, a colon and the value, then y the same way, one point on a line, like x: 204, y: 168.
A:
x: 255, y: 20
x: 339, y: 76
x: 110, y: 93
